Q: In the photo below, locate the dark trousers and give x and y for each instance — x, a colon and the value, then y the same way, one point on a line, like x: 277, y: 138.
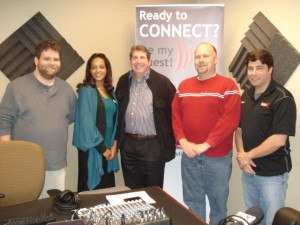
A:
x: 142, y: 163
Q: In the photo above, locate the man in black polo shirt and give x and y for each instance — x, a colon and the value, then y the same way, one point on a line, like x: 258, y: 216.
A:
x: 268, y: 118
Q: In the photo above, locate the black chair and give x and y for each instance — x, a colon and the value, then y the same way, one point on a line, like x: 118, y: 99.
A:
x: 287, y: 216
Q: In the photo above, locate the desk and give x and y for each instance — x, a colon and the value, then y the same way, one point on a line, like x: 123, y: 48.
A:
x: 174, y: 210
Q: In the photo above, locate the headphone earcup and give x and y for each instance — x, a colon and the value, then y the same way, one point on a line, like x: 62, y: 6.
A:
x: 65, y: 202
x: 66, y: 196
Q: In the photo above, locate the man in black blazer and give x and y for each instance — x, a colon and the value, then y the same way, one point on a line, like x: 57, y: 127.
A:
x: 145, y: 134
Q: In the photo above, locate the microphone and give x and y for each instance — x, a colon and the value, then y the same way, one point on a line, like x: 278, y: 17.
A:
x: 252, y: 216
x: 257, y: 212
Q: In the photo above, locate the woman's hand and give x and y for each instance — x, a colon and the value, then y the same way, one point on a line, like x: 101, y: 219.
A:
x: 107, y: 154
x: 113, y: 151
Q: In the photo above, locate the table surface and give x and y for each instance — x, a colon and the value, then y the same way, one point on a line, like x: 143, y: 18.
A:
x: 178, y: 213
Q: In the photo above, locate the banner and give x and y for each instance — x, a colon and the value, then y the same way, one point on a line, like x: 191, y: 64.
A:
x: 171, y: 33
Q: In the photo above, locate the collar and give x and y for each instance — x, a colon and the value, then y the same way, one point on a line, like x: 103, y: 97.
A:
x: 271, y: 87
x: 45, y: 88
x: 145, y: 76
x: 198, y: 78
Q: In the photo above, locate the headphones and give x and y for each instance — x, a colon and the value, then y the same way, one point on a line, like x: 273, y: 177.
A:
x: 65, y: 202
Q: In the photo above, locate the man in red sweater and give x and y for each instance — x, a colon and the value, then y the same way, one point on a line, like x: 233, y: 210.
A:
x: 205, y: 113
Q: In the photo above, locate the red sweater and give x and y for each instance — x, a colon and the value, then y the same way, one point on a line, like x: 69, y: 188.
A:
x: 207, y: 111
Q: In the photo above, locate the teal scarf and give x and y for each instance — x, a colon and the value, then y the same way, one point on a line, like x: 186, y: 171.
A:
x: 86, y: 136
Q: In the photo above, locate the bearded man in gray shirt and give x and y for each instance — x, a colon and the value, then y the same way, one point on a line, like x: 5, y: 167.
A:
x: 38, y: 108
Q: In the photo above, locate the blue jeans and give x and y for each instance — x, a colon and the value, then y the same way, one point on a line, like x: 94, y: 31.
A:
x: 202, y: 176
x: 267, y: 192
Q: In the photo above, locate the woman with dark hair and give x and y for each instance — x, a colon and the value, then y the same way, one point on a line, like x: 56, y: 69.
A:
x: 95, y: 126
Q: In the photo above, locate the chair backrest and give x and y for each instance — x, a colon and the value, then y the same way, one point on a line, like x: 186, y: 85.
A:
x: 22, y: 172
x: 287, y: 216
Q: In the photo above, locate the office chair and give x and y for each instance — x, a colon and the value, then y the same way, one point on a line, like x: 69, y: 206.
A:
x: 287, y: 216
x: 22, y: 172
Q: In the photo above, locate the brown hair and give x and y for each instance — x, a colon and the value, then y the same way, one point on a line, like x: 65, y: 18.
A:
x: 139, y: 48
x: 262, y: 55
x: 45, y: 45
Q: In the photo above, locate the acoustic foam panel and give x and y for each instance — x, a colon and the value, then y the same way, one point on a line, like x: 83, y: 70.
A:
x: 264, y: 35
x: 17, y: 51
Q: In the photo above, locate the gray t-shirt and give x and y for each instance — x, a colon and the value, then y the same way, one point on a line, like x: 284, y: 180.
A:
x: 34, y: 112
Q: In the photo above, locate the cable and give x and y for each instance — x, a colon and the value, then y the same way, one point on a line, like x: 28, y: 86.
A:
x: 231, y: 219
x: 104, y: 216
x: 123, y: 219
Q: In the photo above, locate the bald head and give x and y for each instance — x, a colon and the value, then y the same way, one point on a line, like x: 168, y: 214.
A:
x: 208, y: 45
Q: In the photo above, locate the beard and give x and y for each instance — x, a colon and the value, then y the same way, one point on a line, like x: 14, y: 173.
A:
x: 48, y: 72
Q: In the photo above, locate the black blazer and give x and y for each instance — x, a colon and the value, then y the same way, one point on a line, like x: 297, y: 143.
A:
x: 163, y: 92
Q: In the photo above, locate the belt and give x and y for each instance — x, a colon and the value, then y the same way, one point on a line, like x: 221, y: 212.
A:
x: 140, y: 137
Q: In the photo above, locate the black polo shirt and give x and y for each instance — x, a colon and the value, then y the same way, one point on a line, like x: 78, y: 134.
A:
x: 274, y: 112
